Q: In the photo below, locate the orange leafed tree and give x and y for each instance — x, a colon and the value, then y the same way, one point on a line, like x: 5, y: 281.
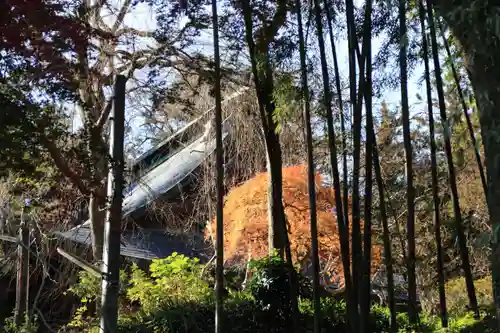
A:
x: 246, y: 221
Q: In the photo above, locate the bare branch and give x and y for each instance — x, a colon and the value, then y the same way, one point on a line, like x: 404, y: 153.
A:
x: 133, y: 31
x: 121, y: 15
x: 61, y: 164
x: 104, y: 114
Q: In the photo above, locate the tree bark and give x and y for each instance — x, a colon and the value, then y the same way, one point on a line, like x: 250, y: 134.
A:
x: 410, y: 191
x: 475, y: 25
x: 462, y: 241
x: 434, y: 170
x: 97, y: 215
x: 263, y: 79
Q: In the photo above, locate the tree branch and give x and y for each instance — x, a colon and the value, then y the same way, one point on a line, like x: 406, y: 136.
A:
x: 104, y: 114
x: 135, y: 32
x: 61, y: 164
x: 121, y: 15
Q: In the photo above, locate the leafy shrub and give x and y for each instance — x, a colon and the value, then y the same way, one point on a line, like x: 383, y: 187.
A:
x: 88, y: 290
x: 456, y: 297
x: 28, y: 326
x: 175, y: 279
x: 176, y: 299
x: 270, y: 285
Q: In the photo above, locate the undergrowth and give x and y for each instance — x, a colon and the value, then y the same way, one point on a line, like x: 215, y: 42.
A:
x: 176, y: 296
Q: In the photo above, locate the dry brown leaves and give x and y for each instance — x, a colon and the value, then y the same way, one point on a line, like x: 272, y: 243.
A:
x: 246, y: 221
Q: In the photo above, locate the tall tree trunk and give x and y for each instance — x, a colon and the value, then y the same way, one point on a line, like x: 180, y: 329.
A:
x: 435, y: 184
x: 345, y: 186
x: 311, y: 181
x: 356, y: 100
x: 385, y: 234
x: 111, y: 258
x: 219, y: 164
x: 412, y: 286
x: 352, y: 306
x: 264, y: 85
x: 367, y: 233
x: 462, y: 241
x: 456, y: 78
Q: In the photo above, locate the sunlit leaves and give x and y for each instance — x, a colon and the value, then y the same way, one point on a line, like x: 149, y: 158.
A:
x: 286, y: 99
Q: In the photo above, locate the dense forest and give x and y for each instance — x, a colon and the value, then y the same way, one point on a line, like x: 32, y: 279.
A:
x: 261, y: 150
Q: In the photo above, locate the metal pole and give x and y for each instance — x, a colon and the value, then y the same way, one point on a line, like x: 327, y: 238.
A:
x: 112, y: 226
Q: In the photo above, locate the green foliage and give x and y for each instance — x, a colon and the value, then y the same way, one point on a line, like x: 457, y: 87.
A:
x: 175, y: 279
x: 88, y: 290
x: 270, y: 285
x: 28, y: 326
x: 457, y: 300
x: 175, y: 298
x: 286, y: 100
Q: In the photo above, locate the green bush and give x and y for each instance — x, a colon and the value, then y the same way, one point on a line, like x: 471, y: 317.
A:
x: 270, y: 285
x: 174, y: 279
x: 457, y: 300
x: 174, y: 298
x: 28, y: 326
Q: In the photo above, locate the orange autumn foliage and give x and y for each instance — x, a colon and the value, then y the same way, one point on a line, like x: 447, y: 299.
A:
x: 246, y: 221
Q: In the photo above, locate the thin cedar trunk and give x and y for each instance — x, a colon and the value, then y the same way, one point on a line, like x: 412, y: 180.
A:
x: 367, y: 241
x: 343, y: 233
x: 435, y: 184
x: 219, y: 164
x: 311, y: 182
x: 293, y: 284
x: 462, y: 242
x: 385, y: 233
x: 357, y: 254
x: 456, y: 78
x: 412, y: 285
x: 345, y: 187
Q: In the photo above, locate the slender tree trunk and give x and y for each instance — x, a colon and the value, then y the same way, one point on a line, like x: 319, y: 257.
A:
x: 219, y: 164
x: 385, y: 235
x: 356, y: 100
x: 456, y: 78
x: 311, y: 181
x: 345, y: 187
x: 462, y: 241
x: 293, y: 283
x: 412, y: 286
x: 352, y: 307
x: 367, y: 241
x: 435, y: 184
